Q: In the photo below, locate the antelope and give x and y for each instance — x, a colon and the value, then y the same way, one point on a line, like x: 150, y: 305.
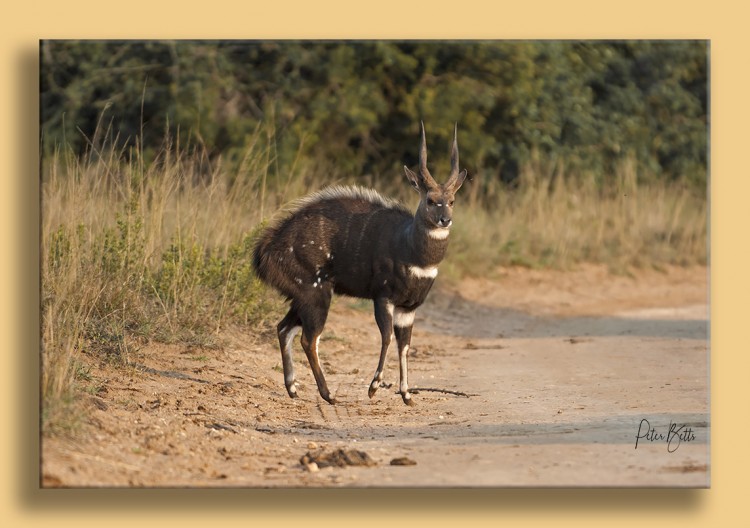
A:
x: 355, y: 242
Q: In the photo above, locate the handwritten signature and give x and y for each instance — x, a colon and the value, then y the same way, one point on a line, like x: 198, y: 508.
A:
x: 677, y: 434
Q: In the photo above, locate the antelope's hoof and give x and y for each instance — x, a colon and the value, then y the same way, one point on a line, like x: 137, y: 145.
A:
x: 371, y: 391
x: 407, y: 400
x: 330, y: 399
x: 292, y: 390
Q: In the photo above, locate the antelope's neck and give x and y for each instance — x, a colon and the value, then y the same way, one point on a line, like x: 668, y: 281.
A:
x: 428, y: 243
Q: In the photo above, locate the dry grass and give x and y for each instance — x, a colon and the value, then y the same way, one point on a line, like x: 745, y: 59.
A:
x: 560, y: 222
x: 136, y: 249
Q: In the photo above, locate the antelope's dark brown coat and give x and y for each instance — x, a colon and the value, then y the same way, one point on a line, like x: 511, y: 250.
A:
x: 353, y: 241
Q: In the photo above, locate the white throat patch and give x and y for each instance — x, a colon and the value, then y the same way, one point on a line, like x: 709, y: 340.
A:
x: 439, y: 233
x: 423, y: 273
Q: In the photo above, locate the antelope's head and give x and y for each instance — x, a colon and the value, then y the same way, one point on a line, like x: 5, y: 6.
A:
x: 436, y: 204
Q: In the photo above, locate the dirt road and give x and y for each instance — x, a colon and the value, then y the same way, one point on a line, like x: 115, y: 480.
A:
x: 563, y: 374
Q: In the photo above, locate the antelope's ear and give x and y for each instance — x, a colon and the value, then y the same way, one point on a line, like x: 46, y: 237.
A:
x: 414, y: 180
x: 455, y: 182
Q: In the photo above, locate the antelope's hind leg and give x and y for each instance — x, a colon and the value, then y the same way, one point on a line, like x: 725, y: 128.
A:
x: 313, y: 318
x: 287, y: 328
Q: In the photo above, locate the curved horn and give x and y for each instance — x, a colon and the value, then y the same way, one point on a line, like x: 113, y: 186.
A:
x: 423, y: 161
x: 454, y: 153
x: 456, y: 178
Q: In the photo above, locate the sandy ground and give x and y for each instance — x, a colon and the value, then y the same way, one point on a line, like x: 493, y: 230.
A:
x: 561, y: 372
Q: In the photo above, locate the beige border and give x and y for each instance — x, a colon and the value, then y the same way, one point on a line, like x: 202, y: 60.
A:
x: 22, y: 503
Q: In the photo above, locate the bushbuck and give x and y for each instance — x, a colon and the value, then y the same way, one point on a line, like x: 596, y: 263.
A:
x: 355, y: 242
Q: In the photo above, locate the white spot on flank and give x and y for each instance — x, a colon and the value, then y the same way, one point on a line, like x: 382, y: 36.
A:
x: 423, y: 273
x: 403, y: 319
x: 297, y: 280
x: 291, y: 249
x: 439, y: 233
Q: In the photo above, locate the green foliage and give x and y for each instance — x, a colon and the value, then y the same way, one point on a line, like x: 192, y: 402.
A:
x: 202, y: 288
x: 355, y: 106
x: 108, y: 281
x: 122, y: 248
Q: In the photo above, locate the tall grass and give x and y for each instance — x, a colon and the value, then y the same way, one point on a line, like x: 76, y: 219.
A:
x: 560, y: 221
x: 138, y: 248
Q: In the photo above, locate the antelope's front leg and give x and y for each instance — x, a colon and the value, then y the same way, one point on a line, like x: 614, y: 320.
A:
x: 402, y: 325
x: 384, y: 318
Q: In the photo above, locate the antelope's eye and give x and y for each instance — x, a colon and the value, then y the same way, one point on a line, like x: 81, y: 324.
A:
x: 430, y: 202
x: 451, y: 203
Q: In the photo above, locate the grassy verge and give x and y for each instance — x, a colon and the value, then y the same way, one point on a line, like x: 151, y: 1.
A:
x: 559, y: 222
x: 135, y: 250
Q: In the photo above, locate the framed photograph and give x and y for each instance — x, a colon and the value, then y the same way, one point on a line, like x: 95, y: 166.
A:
x: 374, y: 263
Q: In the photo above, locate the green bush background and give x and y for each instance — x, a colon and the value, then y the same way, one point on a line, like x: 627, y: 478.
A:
x: 353, y: 108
